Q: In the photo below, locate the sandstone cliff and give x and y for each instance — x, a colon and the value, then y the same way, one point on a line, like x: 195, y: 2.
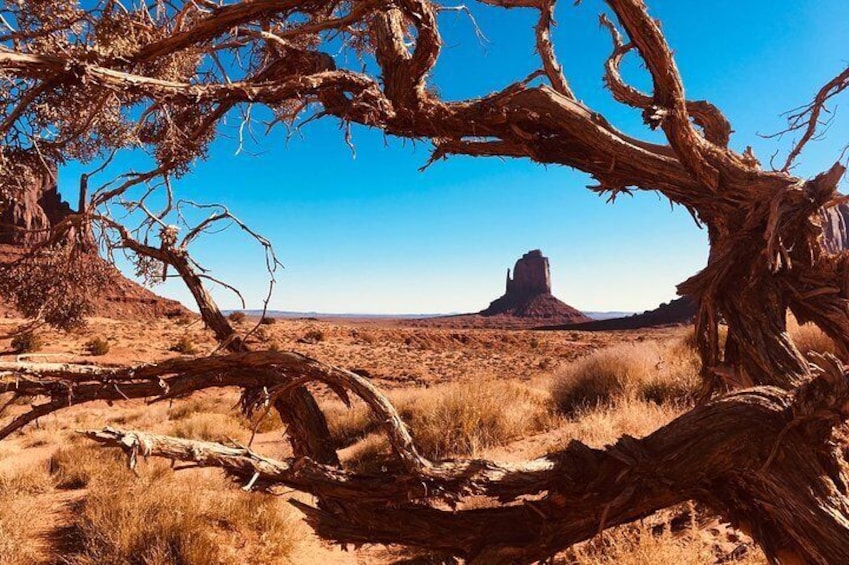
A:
x: 23, y: 222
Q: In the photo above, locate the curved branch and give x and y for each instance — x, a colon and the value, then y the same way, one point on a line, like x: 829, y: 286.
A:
x: 545, y: 47
x: 669, y: 108
x: 716, y: 127
x: 278, y: 372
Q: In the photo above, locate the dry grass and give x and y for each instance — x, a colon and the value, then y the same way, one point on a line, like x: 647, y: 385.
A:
x: 208, y: 426
x: 809, y: 337
x: 74, y: 467
x: 18, y: 514
x: 163, y: 518
x: 462, y: 419
x: 664, y: 372
x: 602, y: 426
x: 369, y: 454
x: 639, y: 545
x: 454, y: 419
x: 458, y: 390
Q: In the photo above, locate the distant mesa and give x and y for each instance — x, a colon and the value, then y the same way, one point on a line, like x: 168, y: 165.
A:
x: 528, y: 294
x: 24, y: 222
x: 679, y: 311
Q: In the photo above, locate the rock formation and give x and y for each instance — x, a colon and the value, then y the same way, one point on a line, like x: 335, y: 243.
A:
x: 679, y: 311
x: 25, y: 218
x: 24, y: 221
x: 528, y: 294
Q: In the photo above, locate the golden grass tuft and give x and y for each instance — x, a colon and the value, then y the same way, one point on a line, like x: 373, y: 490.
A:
x: 74, y: 467
x: 462, y: 419
x: 603, y: 425
x: 664, y: 372
x: 210, y: 426
x: 457, y: 419
x: 639, y: 545
x: 809, y: 338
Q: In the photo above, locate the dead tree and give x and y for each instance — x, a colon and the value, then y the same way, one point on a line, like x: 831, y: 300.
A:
x: 84, y: 83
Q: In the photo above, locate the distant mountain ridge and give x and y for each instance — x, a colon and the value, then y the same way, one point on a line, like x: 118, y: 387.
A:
x: 339, y: 315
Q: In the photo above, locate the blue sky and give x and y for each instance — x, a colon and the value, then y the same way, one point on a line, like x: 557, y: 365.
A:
x: 369, y: 233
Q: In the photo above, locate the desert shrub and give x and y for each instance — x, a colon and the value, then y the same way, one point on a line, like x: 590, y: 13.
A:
x: 809, y: 338
x: 209, y: 427
x: 98, y: 346
x: 198, y: 404
x: 461, y: 419
x: 262, y: 335
x: 348, y: 425
x: 366, y: 338
x: 185, y: 345
x: 237, y: 317
x: 676, y: 377
x: 455, y: 419
x: 28, y: 481
x: 369, y: 455
x: 661, y: 373
x: 161, y: 519
x: 601, y: 376
x: 184, y: 319
x: 271, y: 521
x: 599, y: 426
x: 27, y: 342
x: 646, y: 543
x: 312, y: 336
x: 267, y: 321
x: 144, y: 522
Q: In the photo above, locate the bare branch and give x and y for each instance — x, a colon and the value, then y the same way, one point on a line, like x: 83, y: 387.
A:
x: 807, y: 118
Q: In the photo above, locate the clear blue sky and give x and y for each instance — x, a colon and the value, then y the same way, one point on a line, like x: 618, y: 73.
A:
x: 372, y: 234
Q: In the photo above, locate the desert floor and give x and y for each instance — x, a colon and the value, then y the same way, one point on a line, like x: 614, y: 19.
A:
x: 500, y: 394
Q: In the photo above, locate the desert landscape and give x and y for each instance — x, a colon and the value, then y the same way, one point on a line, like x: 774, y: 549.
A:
x: 540, y: 390
x: 189, y: 189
